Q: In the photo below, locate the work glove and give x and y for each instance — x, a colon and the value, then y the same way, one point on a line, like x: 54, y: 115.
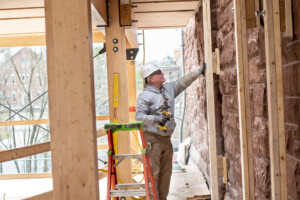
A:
x: 160, y: 119
x: 202, y: 69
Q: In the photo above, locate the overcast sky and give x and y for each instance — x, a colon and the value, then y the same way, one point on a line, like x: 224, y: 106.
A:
x: 159, y: 43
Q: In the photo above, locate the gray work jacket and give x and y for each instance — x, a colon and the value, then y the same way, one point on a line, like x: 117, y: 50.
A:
x: 150, y: 102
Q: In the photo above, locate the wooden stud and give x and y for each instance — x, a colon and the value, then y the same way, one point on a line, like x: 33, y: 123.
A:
x: 275, y: 100
x: 210, y: 100
x: 288, y: 19
x: 241, y: 42
x: 71, y: 99
x: 250, y: 13
x: 222, y: 168
x: 116, y: 63
x: 22, y: 13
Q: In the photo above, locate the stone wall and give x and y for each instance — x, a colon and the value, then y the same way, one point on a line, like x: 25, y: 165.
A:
x: 223, y: 37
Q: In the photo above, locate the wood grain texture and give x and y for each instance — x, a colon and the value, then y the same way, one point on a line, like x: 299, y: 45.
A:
x: 275, y: 100
x: 71, y: 99
x: 241, y: 41
x: 116, y: 63
x: 210, y: 100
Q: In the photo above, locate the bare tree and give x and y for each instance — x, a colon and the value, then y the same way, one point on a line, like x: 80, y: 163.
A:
x: 24, y: 78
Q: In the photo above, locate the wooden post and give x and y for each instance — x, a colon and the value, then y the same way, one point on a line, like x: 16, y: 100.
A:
x: 116, y: 63
x: 241, y: 41
x: 210, y: 100
x: 71, y: 99
x: 275, y: 100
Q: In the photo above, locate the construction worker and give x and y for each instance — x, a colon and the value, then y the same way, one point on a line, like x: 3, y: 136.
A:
x: 158, y: 98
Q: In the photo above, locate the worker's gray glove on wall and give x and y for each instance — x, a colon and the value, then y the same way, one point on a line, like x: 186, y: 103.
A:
x: 202, y: 69
x: 160, y: 119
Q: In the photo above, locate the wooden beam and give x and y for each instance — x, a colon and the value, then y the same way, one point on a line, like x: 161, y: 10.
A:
x: 131, y: 36
x: 116, y: 63
x: 15, y: 26
x: 13, y: 154
x: 25, y: 176
x: 162, y: 19
x: 151, y: 1
x: 24, y: 122
x: 40, y: 121
x: 241, y: 41
x: 275, y: 100
x: 71, y: 99
x: 22, y: 13
x: 99, y: 12
x: 210, y: 100
x: 18, y: 4
x: 165, y: 6
x: 37, y: 39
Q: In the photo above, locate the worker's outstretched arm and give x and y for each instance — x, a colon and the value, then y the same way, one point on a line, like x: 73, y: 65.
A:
x: 184, y: 82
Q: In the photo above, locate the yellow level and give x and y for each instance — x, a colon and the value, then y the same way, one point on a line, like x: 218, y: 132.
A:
x: 116, y: 108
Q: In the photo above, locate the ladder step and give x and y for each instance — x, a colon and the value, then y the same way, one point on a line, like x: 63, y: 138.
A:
x: 127, y: 193
x: 130, y: 185
x: 128, y: 156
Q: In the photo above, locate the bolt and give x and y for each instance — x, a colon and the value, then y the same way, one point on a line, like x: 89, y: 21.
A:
x: 134, y: 21
x: 115, y: 49
x: 233, y: 9
x: 132, y: 62
x: 109, y: 19
x: 131, y: 57
x: 115, y: 40
x: 260, y: 13
x: 131, y: 52
x: 133, y: 6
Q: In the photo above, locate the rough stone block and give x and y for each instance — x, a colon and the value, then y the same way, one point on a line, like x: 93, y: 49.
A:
x: 228, y: 52
x: 262, y: 175
x: 293, y: 174
x: 228, y: 81
x: 231, y: 142
x: 231, y: 119
x: 260, y: 138
x: 292, y: 110
x: 257, y: 72
x: 291, y: 78
x: 258, y: 100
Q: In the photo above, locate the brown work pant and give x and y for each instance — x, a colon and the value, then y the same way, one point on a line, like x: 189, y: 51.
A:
x: 161, y: 154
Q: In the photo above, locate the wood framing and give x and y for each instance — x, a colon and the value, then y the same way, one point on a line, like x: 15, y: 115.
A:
x: 49, y: 195
x: 116, y: 63
x: 99, y: 12
x: 250, y: 13
x: 71, y: 99
x: 210, y: 100
x: 164, y: 6
x: 241, y: 41
x: 275, y: 100
x: 131, y: 37
x: 25, y: 176
x: 162, y: 19
x: 13, y: 154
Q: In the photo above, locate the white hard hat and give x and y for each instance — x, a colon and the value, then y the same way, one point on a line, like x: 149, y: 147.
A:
x: 148, y: 69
